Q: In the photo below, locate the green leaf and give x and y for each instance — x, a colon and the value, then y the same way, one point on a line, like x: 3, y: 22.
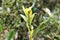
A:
x: 25, y: 18
x: 1, y: 28
x: 56, y: 35
x: 31, y: 18
x: 41, y: 27
x: 10, y: 35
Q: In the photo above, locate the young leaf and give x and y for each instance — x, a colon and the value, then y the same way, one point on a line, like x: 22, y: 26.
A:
x: 25, y: 18
x: 31, y: 18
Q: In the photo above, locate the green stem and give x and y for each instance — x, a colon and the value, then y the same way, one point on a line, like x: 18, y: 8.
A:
x: 28, y: 27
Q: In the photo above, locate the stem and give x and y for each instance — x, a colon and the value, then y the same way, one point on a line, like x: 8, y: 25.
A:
x: 29, y: 28
x: 30, y: 37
